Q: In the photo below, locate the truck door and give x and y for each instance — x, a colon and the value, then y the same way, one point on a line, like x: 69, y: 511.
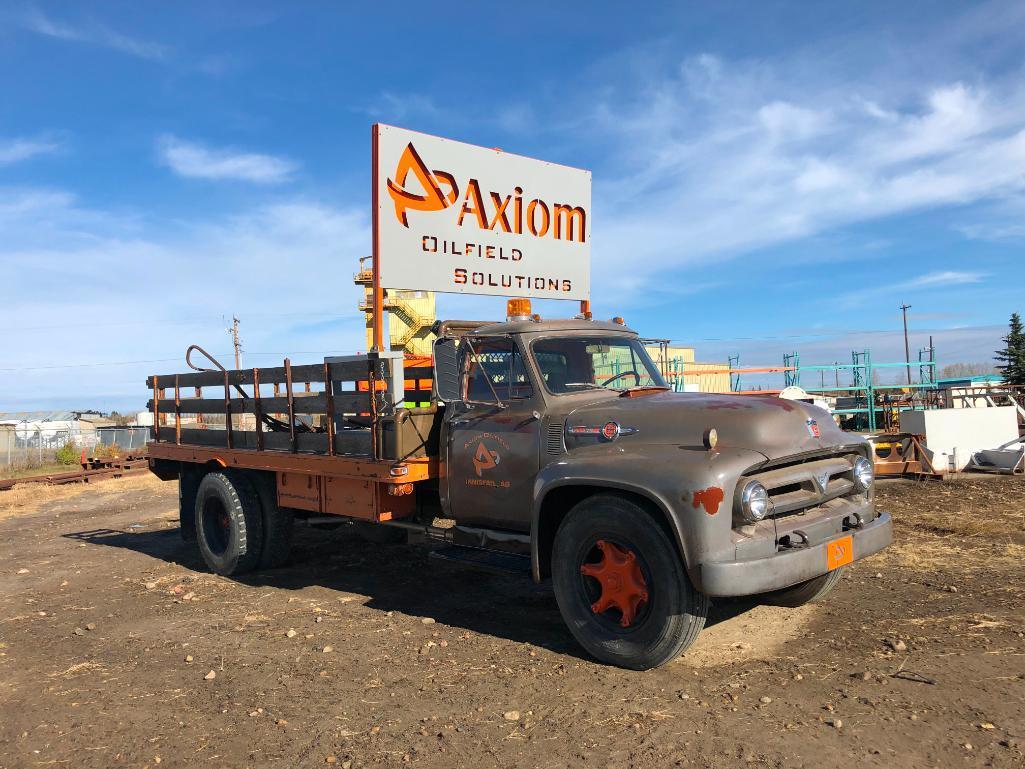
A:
x: 492, y: 437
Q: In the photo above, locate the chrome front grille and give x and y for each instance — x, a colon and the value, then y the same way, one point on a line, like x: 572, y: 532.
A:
x: 795, y: 488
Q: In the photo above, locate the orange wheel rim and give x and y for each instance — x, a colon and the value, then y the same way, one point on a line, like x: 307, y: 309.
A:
x: 622, y: 583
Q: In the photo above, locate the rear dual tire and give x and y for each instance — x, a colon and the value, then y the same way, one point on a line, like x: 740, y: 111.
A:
x: 238, y: 525
x: 665, y: 623
x: 229, y: 523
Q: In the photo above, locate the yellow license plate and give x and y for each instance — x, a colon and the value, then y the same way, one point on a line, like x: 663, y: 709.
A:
x: 839, y: 552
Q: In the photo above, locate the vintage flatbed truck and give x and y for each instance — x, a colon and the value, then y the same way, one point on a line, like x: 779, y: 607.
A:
x: 556, y: 448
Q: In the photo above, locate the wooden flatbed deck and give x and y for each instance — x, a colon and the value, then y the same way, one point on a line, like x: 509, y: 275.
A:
x: 329, y: 432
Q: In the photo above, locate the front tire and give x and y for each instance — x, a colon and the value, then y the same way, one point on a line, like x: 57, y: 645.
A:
x: 621, y: 586
x: 810, y: 591
x: 229, y: 523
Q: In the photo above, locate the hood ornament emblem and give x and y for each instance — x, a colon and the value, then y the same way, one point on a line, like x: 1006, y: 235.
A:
x: 823, y: 479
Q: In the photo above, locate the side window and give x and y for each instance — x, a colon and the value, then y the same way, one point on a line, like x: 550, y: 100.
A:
x: 498, y: 360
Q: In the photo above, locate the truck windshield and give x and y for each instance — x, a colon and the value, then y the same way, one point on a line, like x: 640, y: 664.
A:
x: 575, y: 363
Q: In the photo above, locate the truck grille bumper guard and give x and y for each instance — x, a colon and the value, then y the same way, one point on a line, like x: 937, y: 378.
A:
x: 790, y: 566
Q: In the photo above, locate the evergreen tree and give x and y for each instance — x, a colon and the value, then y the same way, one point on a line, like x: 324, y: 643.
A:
x: 1012, y: 357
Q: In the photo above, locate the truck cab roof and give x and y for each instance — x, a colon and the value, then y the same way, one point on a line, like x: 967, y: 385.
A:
x: 555, y: 325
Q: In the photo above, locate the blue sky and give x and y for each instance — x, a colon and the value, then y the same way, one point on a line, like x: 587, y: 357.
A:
x: 768, y: 177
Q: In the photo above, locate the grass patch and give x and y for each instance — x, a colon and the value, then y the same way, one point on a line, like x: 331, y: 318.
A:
x: 49, y: 468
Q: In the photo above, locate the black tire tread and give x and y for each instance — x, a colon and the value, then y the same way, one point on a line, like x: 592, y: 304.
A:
x: 244, y: 508
x: 810, y: 591
x: 677, y: 631
x: 278, y: 524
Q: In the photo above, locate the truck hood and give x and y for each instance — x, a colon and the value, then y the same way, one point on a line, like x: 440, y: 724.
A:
x: 772, y: 426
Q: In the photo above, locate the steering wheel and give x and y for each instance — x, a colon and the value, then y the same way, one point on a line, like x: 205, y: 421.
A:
x: 620, y: 375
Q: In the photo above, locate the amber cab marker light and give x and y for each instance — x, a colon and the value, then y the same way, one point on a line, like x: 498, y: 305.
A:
x: 710, y: 438
x: 518, y: 309
x: 619, y: 321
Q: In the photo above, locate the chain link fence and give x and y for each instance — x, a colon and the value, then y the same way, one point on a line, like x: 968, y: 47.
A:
x: 26, y: 445
x: 131, y: 440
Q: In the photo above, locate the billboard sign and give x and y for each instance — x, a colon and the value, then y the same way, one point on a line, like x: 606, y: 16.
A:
x: 458, y: 218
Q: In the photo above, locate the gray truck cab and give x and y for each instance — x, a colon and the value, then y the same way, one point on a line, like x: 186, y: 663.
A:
x: 642, y: 503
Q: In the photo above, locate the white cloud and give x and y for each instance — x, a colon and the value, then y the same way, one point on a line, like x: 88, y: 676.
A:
x: 197, y: 161
x: 389, y: 105
x: 946, y: 278
x: 933, y: 280
x: 788, y: 122
x: 165, y: 287
x: 16, y: 150
x: 714, y: 158
x: 94, y: 33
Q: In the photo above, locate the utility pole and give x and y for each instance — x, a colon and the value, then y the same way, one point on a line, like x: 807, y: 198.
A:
x: 237, y: 342
x: 932, y: 359
x: 907, y: 350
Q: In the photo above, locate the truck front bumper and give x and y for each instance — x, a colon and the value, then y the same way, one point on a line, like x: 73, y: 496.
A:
x: 789, y: 567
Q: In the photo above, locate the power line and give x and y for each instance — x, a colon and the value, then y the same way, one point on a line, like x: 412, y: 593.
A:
x: 170, y: 360
x: 176, y: 322
x: 90, y: 365
x: 831, y: 333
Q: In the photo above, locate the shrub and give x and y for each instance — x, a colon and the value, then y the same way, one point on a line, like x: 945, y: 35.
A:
x: 68, y: 454
x: 103, y: 451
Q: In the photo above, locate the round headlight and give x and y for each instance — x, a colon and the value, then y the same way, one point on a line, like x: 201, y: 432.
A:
x: 754, y: 502
x: 864, y: 473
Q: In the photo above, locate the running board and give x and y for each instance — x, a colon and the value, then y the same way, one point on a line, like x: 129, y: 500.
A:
x: 494, y: 561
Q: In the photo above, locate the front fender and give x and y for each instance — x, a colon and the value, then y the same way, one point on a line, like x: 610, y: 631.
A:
x: 692, y: 487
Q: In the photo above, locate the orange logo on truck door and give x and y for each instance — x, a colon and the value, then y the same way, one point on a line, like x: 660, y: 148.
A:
x: 484, y: 459
x: 433, y: 198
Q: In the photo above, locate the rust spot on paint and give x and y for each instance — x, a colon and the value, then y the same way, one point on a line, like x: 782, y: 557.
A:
x: 637, y: 392
x: 709, y: 498
x: 772, y: 400
x: 714, y: 404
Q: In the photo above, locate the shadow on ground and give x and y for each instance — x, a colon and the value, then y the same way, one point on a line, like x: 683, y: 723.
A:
x: 397, y: 578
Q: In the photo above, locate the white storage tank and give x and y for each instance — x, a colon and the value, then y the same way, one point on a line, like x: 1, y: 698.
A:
x: 953, y: 435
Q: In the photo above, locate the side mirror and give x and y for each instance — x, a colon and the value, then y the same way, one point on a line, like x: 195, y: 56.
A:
x: 446, y: 370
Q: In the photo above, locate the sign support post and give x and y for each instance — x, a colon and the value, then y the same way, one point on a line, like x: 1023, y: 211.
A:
x: 377, y: 295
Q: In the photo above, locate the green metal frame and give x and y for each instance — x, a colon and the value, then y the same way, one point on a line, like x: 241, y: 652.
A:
x: 862, y: 372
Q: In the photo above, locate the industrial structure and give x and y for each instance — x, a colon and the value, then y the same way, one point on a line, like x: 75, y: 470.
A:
x: 854, y: 391
x: 410, y: 315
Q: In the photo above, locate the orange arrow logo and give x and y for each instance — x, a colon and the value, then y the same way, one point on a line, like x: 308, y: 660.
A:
x: 484, y: 458
x: 433, y: 198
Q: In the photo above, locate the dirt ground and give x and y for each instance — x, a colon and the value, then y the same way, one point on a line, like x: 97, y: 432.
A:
x: 118, y: 649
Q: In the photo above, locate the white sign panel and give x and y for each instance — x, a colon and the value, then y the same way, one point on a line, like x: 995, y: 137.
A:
x: 459, y: 218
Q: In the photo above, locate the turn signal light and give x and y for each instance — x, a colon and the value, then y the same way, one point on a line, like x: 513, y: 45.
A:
x: 400, y: 489
x: 518, y: 309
